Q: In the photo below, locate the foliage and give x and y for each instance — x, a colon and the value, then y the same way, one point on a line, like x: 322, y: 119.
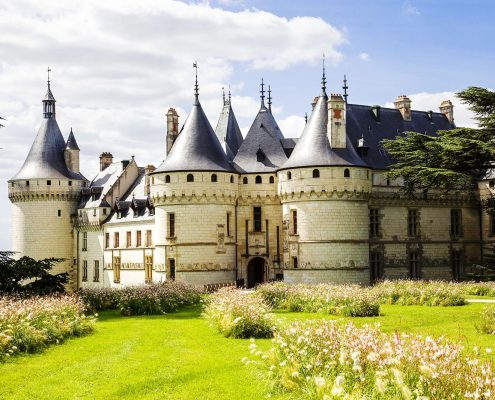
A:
x: 238, y: 314
x: 452, y: 160
x: 424, y: 293
x: 478, y: 288
x: 327, y: 360
x: 15, y: 273
x: 486, y: 323
x: 28, y: 325
x: 152, y: 299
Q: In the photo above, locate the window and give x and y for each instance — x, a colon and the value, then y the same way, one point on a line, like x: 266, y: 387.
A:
x: 85, y: 271
x: 272, y: 179
x: 167, y: 179
x: 316, y: 173
x: 152, y: 180
x: 94, y: 212
x: 374, y: 222
x: 190, y: 177
x: 48, y: 183
x: 294, y: 221
x: 171, y: 263
x: 289, y: 175
x: 414, y: 265
x: 104, y: 211
x: 412, y: 223
x: 231, y: 178
x: 347, y: 173
x: 59, y: 213
x: 85, y: 241
x: 116, y: 269
x: 27, y: 183
x: 128, y: 239
x: 214, y: 178
x: 228, y: 224
x: 456, y: 265
x: 295, y: 263
x: 138, y: 239
x: 258, y: 179
x: 388, y: 181
x: 171, y: 224
x: 245, y: 180
x: 376, y: 266
x: 70, y: 183
x: 96, y: 272
x: 107, y: 240
x: 257, y: 219
x: 116, y: 240
x: 149, y: 239
x: 456, y: 222
x: 148, y: 269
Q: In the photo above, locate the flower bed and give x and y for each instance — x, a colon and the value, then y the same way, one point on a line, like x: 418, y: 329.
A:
x: 486, y: 323
x: 345, y: 300
x: 238, y: 314
x: 326, y: 360
x: 29, y: 325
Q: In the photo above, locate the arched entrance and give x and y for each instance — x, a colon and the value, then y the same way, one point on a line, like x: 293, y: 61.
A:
x: 255, y: 271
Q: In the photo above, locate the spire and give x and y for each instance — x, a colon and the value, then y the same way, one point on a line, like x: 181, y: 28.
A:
x: 223, y: 95
x: 323, y: 79
x: 269, y: 98
x: 345, y: 87
x: 71, y: 141
x: 196, y: 86
x: 262, y: 91
x: 306, y: 117
x: 49, y: 100
x: 230, y: 97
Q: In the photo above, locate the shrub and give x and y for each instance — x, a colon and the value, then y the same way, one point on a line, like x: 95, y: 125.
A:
x: 238, y: 314
x: 486, y: 324
x: 30, y: 324
x: 100, y: 299
x: 326, y: 360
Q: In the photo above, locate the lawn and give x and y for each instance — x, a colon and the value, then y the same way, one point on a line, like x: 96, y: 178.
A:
x: 179, y: 356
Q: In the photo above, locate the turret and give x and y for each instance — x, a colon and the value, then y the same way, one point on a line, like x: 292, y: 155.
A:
x: 71, y: 153
x: 172, y: 128
x: 227, y: 129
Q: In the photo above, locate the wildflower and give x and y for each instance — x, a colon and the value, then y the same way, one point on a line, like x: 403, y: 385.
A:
x: 320, y: 381
x: 488, y: 350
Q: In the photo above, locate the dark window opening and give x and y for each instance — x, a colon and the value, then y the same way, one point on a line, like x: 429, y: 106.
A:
x: 231, y: 178
x: 347, y: 173
x: 245, y: 180
x: 190, y: 177
x: 295, y: 263
x: 457, y: 265
x: 294, y: 222
x: 374, y: 222
x: 27, y: 183
x: 85, y: 271
x: 59, y: 213
x: 289, y: 175
x: 257, y: 219
x: 272, y: 179
x: 171, y: 262
x: 456, y: 222
x: 70, y: 183
x: 412, y: 222
x: 376, y: 266
x: 214, y: 178
x: 316, y: 173
x: 96, y: 272
x: 171, y: 225
x: 167, y: 179
x: 258, y: 179
x: 228, y: 224
x: 48, y: 183
x: 414, y: 265
x: 85, y: 241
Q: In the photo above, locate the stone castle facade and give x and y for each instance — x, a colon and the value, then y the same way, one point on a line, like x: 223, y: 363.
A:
x: 224, y: 208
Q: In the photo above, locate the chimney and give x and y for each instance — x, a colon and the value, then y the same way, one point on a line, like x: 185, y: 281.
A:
x: 105, y: 160
x: 403, y: 104
x: 447, y: 109
x: 172, y: 128
x: 147, y: 171
x: 336, y: 128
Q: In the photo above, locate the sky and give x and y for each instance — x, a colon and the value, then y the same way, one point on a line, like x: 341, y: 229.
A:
x: 118, y: 65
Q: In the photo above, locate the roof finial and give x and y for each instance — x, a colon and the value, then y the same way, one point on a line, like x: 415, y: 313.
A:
x: 262, y: 91
x: 269, y: 98
x: 48, y: 73
x: 345, y: 87
x: 223, y: 95
x: 230, y: 97
x: 306, y: 117
x: 196, y: 87
x: 323, y: 78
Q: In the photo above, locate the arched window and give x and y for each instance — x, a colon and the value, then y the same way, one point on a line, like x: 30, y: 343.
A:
x: 316, y: 173
x: 167, y: 179
x: 347, y: 173
x: 231, y: 178
x: 190, y: 177
x: 258, y: 179
x: 244, y: 180
x: 388, y: 182
x: 272, y: 179
x: 289, y: 175
x: 214, y: 178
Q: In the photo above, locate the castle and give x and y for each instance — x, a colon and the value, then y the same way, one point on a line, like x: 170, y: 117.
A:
x: 223, y: 208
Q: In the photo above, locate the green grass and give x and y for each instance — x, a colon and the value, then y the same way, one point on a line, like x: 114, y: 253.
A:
x: 179, y: 356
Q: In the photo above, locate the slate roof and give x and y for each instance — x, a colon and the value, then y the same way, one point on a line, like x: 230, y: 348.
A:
x: 197, y: 147
x: 228, y: 131
x: 94, y: 194
x: 71, y: 142
x: 264, y: 135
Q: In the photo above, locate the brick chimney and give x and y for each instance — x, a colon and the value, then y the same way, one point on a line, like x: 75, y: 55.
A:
x: 336, y: 129
x: 447, y: 109
x: 403, y: 104
x: 172, y: 128
x: 105, y: 160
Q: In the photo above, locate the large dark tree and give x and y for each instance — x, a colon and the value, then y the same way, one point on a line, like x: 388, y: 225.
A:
x: 29, y: 276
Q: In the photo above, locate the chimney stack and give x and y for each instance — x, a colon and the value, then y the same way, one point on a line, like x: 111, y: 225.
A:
x: 172, y: 128
x: 403, y: 104
x: 336, y: 128
x: 105, y: 160
x: 447, y: 109
x: 147, y: 171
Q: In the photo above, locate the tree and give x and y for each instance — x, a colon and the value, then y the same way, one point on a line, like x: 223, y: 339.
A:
x: 452, y: 160
x: 29, y: 276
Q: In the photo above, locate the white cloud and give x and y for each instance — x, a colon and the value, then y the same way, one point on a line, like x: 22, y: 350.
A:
x: 409, y: 9
x: 364, y: 56
x: 292, y: 126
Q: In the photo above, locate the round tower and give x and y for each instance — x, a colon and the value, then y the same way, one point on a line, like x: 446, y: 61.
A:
x: 194, y: 192
x: 44, y: 195
x: 324, y: 188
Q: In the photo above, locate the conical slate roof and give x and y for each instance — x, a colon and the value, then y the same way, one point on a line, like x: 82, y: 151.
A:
x: 313, y: 147
x: 71, y: 142
x: 264, y: 139
x: 197, y: 147
x: 49, y: 94
x: 228, y: 131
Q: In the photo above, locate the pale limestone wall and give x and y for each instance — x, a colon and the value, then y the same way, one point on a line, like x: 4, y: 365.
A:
x: 94, y: 251
x: 205, y: 277
x: 327, y: 276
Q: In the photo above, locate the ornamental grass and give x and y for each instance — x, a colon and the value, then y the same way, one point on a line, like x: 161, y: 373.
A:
x: 321, y: 359
x: 239, y: 314
x: 28, y: 325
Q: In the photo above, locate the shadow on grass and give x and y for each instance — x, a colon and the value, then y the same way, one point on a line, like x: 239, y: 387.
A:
x: 189, y: 312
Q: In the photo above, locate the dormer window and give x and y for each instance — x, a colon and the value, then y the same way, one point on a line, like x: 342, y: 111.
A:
x: 260, y: 155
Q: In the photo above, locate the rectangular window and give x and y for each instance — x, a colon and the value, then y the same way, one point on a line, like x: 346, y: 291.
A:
x: 48, y: 183
x: 414, y: 265
x: 104, y: 211
x: 128, y: 241
x: 376, y: 266
x: 374, y: 222
x: 456, y: 222
x: 148, y: 269
x: 295, y: 263
x: 171, y: 263
x: 171, y: 224
x: 294, y: 222
x: 107, y: 240
x: 149, y: 239
x: 228, y: 224
x: 457, y: 269
x: 59, y: 213
x: 116, y: 240
x: 412, y: 222
x: 138, y: 239
x: 257, y: 219
x: 85, y: 271
x: 116, y: 269
x: 96, y: 273
x: 94, y: 212
x: 85, y: 241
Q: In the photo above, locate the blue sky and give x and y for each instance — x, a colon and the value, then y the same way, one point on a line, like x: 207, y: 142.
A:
x: 118, y: 65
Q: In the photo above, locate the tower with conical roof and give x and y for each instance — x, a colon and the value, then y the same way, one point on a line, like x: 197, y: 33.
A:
x: 227, y: 129
x: 45, y: 192
x: 194, y: 192
x: 324, y: 188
